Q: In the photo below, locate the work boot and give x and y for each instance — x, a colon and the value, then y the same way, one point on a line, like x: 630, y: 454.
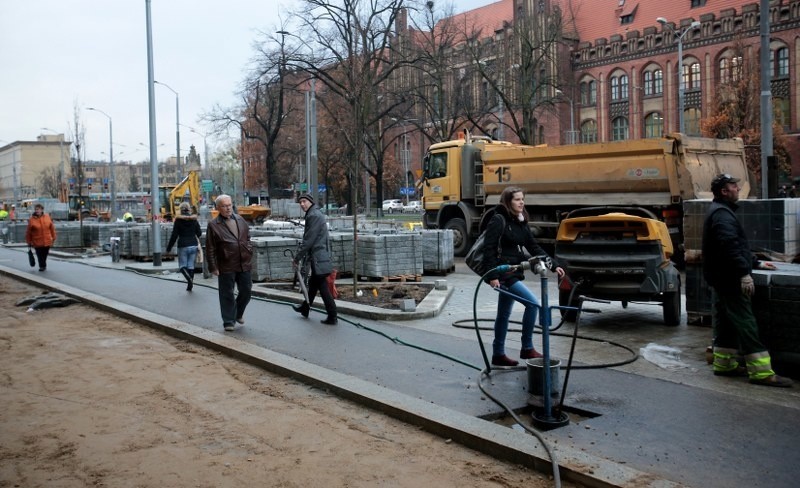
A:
x: 773, y: 380
x: 302, y: 309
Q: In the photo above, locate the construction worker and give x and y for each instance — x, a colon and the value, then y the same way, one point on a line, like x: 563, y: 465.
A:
x: 3, y: 213
x: 127, y: 217
x: 727, y: 267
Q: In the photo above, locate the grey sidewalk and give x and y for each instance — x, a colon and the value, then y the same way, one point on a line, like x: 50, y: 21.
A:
x: 682, y: 425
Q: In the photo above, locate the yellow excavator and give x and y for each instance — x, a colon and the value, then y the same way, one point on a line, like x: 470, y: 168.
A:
x: 171, y: 196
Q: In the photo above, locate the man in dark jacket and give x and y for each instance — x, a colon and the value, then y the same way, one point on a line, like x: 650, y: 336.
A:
x: 315, y: 245
x: 727, y: 267
x: 229, y: 251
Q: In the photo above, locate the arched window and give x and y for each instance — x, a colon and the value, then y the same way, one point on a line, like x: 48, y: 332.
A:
x: 654, y: 125
x: 589, y: 131
x: 780, y: 111
x: 779, y: 62
x: 619, y: 129
x: 730, y: 69
x: 653, y: 82
x: 588, y: 93
x: 619, y: 87
x: 691, y: 121
x: 691, y: 76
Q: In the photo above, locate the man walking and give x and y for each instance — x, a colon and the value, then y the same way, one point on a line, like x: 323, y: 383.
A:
x: 727, y: 268
x: 229, y: 251
x: 315, y: 245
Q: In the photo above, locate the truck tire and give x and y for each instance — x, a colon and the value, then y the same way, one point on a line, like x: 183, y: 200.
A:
x: 462, y: 242
x: 672, y: 307
x: 563, y: 300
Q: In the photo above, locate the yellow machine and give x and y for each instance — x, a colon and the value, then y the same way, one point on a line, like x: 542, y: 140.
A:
x: 188, y: 190
x: 254, y: 213
x: 463, y: 180
x: 620, y: 255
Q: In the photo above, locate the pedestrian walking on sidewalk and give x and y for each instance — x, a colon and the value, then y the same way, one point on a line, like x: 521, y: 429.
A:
x: 229, y: 252
x: 727, y: 267
x: 315, y: 246
x: 508, y: 231
x: 186, y: 232
x: 40, y: 234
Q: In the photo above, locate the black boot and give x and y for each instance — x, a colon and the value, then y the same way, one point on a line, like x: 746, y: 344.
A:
x: 302, y: 309
x: 185, y: 273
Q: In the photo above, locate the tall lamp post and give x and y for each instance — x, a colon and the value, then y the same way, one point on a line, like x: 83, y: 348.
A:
x: 177, y: 129
x: 681, y: 87
x: 113, y: 182
x: 571, y: 138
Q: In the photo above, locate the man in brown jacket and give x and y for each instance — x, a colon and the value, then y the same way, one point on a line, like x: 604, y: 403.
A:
x: 229, y: 251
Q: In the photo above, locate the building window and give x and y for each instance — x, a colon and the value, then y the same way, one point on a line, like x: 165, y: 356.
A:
x: 653, y: 82
x: 730, y: 69
x: 780, y: 112
x: 654, y: 125
x: 619, y: 87
x: 589, y: 131
x: 691, y: 121
x: 588, y: 93
x: 781, y: 68
x: 619, y: 129
x: 698, y: 3
x: 691, y: 76
x: 626, y: 19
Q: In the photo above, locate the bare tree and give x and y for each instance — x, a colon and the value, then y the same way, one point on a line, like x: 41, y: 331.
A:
x: 49, y: 182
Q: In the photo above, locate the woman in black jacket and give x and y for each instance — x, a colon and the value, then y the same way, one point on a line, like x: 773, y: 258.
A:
x: 186, y: 230
x: 508, y: 231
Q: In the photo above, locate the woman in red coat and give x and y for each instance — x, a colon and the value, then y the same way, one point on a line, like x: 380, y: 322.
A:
x: 40, y: 234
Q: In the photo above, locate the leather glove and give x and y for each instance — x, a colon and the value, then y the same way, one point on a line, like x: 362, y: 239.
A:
x: 748, y: 287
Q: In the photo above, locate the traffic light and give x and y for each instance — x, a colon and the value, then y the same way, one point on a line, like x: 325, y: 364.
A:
x: 71, y: 186
x: 90, y: 186
x: 105, y: 186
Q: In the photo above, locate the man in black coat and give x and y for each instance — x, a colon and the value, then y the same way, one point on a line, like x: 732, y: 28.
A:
x: 727, y: 267
x: 315, y: 246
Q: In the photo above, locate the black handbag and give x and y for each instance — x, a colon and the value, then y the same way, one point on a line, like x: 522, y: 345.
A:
x: 31, y: 259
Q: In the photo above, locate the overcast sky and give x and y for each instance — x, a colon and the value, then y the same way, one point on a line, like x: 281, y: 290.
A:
x: 55, y: 54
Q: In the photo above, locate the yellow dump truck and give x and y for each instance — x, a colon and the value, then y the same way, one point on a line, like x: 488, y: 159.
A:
x: 463, y: 179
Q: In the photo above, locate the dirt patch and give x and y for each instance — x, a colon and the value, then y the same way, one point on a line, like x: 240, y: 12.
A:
x: 89, y: 399
x: 381, y: 295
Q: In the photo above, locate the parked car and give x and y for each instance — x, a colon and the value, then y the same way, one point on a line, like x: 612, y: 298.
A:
x: 414, y: 206
x: 392, y: 206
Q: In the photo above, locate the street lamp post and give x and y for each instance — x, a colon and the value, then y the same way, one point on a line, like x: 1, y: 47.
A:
x: 177, y: 129
x: 113, y: 182
x: 571, y: 138
x: 681, y: 87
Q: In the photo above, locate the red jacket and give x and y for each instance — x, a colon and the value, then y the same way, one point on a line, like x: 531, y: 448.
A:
x: 40, y: 232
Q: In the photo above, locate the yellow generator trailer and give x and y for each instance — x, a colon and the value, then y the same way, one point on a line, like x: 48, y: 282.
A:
x: 618, y: 254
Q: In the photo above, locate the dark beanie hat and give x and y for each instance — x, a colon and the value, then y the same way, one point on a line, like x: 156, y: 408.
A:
x: 306, y: 196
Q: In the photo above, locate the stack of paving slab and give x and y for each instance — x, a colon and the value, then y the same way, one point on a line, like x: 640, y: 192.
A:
x: 142, y: 243
x: 389, y: 255
x: 68, y: 235
x: 772, y: 226
x: 437, y: 251
x: 269, y: 262
x: 776, y: 305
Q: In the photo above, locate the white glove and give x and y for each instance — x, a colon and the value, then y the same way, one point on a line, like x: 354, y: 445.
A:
x: 748, y: 287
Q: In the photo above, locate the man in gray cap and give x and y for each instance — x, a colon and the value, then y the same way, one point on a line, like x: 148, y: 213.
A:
x: 315, y: 245
x: 727, y: 267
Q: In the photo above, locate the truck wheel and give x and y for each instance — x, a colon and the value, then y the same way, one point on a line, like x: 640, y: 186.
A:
x: 563, y: 300
x: 461, y: 239
x: 672, y: 307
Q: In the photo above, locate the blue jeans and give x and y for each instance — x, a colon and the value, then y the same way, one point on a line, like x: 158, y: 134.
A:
x: 187, y: 256
x: 505, y: 302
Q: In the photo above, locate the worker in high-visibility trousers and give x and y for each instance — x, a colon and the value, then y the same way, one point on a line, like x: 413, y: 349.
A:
x: 727, y: 267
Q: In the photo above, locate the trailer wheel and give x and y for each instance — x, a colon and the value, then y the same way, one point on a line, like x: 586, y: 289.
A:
x: 563, y: 300
x: 672, y: 307
x: 461, y: 239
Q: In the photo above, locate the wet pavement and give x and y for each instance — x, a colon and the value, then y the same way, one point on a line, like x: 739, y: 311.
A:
x: 660, y: 422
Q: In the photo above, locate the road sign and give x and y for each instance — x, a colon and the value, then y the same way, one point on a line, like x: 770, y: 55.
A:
x: 407, y: 190
x: 321, y: 188
x: 208, y: 185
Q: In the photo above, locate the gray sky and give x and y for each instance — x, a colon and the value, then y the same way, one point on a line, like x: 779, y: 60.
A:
x: 56, y: 54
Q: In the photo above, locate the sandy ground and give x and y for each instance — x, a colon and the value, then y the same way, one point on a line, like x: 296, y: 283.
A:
x: 88, y: 399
